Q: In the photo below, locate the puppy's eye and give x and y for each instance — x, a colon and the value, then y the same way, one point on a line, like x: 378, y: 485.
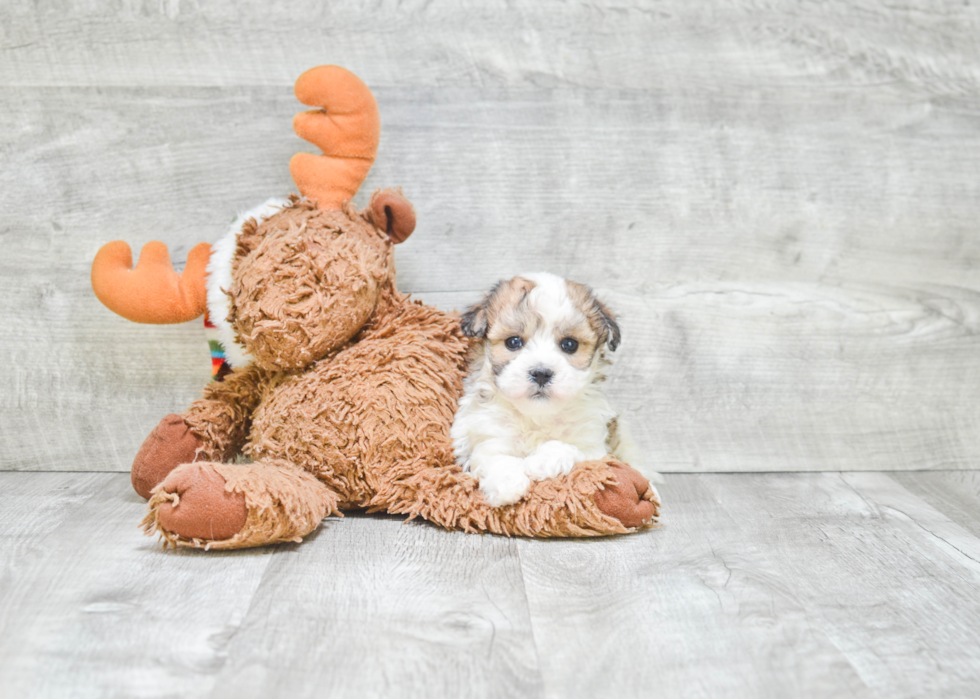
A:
x: 568, y: 345
x: 514, y: 343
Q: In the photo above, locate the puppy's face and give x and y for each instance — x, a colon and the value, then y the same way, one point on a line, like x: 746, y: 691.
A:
x: 544, y: 339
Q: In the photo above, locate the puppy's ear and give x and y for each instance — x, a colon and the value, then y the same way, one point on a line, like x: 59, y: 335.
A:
x: 608, y: 320
x: 476, y: 321
x: 601, y: 319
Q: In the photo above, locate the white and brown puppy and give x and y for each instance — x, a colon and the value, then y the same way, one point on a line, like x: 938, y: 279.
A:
x: 533, y: 405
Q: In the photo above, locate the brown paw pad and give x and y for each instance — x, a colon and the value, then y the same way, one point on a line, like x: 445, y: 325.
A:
x: 630, y: 499
x: 170, y: 444
x: 201, y: 508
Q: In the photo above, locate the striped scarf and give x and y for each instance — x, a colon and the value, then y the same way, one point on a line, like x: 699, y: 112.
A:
x: 219, y: 365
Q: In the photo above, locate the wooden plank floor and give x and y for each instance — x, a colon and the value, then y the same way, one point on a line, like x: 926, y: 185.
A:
x: 758, y: 585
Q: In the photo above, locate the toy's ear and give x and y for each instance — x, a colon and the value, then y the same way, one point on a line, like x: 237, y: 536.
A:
x: 393, y: 213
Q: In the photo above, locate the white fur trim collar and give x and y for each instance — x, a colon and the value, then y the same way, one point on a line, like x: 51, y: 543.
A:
x: 219, y: 279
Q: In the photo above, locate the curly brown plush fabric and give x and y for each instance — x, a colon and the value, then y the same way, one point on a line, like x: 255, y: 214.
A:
x: 349, y: 403
x: 308, y: 281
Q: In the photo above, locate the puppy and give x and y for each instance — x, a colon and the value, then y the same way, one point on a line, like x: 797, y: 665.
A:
x: 533, y: 405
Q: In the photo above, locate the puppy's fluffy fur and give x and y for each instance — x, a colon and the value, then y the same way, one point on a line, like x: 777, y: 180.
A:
x: 533, y: 405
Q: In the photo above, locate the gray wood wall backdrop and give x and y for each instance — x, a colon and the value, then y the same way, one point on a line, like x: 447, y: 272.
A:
x: 781, y: 199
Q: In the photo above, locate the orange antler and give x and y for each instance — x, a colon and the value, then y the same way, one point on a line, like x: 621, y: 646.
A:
x: 153, y: 292
x: 346, y: 128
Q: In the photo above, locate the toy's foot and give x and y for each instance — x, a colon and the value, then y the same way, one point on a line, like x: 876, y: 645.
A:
x: 199, y: 506
x: 170, y: 444
x: 210, y: 505
x: 631, y: 500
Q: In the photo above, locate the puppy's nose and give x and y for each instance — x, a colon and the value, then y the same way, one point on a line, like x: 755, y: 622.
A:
x: 541, y: 376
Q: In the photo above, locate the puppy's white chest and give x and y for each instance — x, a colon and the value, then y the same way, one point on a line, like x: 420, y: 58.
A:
x: 589, y: 436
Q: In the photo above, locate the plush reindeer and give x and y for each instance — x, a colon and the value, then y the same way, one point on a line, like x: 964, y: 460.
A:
x: 341, y: 390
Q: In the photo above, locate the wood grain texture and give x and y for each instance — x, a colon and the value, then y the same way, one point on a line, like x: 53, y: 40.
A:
x: 529, y: 43
x: 695, y: 609
x: 766, y: 585
x: 881, y: 568
x: 373, y: 607
x: 956, y: 495
x: 94, y: 608
x: 757, y: 585
x: 780, y: 199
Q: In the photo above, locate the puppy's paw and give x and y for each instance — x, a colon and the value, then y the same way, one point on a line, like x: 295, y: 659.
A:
x: 503, y: 481
x: 552, y: 459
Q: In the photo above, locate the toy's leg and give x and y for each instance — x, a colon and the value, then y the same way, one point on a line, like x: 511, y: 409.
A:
x: 228, y: 506
x: 597, y: 498
x: 170, y: 444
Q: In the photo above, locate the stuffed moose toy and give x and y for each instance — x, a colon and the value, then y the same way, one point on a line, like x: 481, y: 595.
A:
x: 341, y: 390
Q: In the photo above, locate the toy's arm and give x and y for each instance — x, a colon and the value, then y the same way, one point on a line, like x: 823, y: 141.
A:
x: 222, y: 416
x: 213, y: 428
x: 597, y: 498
